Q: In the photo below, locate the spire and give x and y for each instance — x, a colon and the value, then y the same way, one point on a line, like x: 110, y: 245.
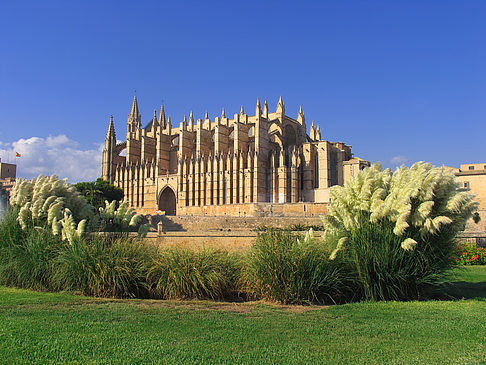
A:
x: 134, y: 120
x: 318, y: 133
x: 191, y: 118
x: 242, y: 111
x: 169, y: 124
x: 206, y: 116
x: 222, y: 114
x: 258, y: 109
x: 110, y: 133
x: 300, y: 116
x: 265, y: 109
x: 162, y: 117
x: 280, y: 106
x: 134, y: 112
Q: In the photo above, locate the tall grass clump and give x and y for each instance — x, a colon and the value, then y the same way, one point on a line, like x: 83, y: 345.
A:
x: 104, y: 266
x: 11, y: 232
x: 287, y: 269
x: 397, y: 230
x: 203, y: 274
x: 25, y: 256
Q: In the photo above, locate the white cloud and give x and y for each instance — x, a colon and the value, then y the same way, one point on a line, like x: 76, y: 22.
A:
x: 57, y: 155
x: 399, y: 160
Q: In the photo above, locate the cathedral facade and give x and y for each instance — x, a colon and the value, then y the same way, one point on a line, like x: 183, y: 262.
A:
x: 225, y: 166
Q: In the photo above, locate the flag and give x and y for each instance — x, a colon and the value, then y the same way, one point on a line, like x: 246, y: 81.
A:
x: 17, y: 154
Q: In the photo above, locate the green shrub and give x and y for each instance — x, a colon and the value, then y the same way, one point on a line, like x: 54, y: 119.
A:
x: 468, y: 254
x: 103, y: 266
x: 283, y: 268
x: 397, y: 230
x: 184, y: 273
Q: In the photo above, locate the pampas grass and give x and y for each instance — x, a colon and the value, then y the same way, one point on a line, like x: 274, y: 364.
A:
x: 280, y: 267
x: 203, y: 274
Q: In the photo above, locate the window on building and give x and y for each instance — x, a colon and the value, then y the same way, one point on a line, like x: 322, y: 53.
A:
x: 251, y: 132
x: 316, y: 171
x: 471, y: 167
x: 333, y: 168
x: 466, y: 185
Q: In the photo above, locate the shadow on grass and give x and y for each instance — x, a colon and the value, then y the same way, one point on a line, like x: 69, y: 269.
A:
x: 463, y: 290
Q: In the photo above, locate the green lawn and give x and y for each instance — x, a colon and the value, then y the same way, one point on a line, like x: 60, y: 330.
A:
x: 58, y: 328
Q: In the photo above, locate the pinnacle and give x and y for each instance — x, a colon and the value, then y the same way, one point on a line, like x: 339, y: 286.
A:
x: 110, y: 133
x: 162, y: 116
x: 134, y: 112
x: 242, y: 111
x: 207, y: 115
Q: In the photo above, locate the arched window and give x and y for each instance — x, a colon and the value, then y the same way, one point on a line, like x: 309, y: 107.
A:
x: 251, y: 132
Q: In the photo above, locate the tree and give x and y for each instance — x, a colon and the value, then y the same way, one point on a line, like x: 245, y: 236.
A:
x: 96, y: 192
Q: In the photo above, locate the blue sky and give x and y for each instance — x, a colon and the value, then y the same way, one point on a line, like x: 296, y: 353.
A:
x: 400, y: 81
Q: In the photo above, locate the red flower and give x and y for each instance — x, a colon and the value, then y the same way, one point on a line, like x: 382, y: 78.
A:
x: 468, y: 259
x: 479, y: 249
x: 464, y: 253
x: 475, y: 257
x: 458, y: 259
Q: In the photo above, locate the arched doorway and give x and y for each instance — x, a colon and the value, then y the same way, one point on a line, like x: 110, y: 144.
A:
x: 167, y: 201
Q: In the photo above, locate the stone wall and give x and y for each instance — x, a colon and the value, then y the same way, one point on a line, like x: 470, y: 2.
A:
x: 257, y: 210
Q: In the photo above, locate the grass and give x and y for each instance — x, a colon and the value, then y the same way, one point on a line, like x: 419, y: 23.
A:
x: 467, y: 282
x: 58, y: 328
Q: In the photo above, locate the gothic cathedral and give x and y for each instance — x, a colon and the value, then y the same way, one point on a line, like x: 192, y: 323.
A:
x: 235, y: 166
